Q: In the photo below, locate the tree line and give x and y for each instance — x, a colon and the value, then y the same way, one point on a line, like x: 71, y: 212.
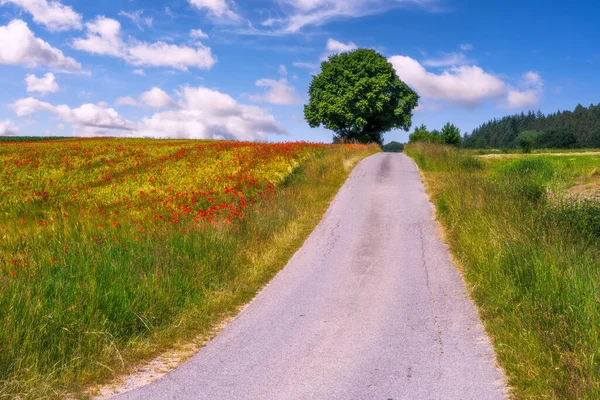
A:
x: 450, y: 135
x: 564, y: 129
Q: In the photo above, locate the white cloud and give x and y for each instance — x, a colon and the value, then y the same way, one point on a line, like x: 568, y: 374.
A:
x: 88, y: 119
x: 157, y: 98
x: 466, y: 46
x: 137, y: 18
x: 139, y: 72
x: 277, y: 92
x: 53, y: 15
x: 208, y: 114
x: 465, y: 86
x: 19, y: 46
x: 198, y: 34
x: 199, y: 113
x: 446, y: 60
x: 44, y: 85
x: 104, y: 38
x: 299, y: 64
x: 283, y: 70
x: 334, y: 46
x: 154, y: 98
x: 301, y: 13
x: 127, y: 101
x: 8, y: 128
x: 217, y: 9
x: 530, y: 93
x: 162, y: 54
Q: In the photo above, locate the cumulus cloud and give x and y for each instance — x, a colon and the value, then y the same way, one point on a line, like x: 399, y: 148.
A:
x: 277, y: 92
x: 19, y: 46
x: 466, y: 46
x: 44, y: 85
x: 157, y: 98
x: 283, y: 70
x: 139, y: 72
x: 52, y: 14
x: 162, y: 54
x: 104, y: 38
x: 199, y: 113
x: 529, y: 93
x: 302, y: 13
x: 8, y: 128
x: 464, y: 86
x: 204, y: 113
x: 153, y: 98
x: 88, y: 119
x: 220, y: 10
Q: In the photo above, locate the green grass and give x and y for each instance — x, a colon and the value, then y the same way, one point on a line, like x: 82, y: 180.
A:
x: 55, y: 336
x: 530, y: 259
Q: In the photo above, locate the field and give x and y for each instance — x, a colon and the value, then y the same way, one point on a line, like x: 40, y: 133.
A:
x: 526, y: 232
x: 113, y: 249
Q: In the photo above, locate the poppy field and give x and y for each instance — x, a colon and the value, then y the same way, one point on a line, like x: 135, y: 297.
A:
x: 113, y: 248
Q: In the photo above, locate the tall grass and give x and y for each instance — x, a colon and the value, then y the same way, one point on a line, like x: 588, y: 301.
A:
x: 531, y: 262
x: 92, y: 312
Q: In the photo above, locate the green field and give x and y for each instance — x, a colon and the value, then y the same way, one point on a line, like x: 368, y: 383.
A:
x: 526, y: 237
x: 115, y: 250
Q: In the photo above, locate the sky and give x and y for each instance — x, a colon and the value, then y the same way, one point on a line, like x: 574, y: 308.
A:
x: 240, y: 69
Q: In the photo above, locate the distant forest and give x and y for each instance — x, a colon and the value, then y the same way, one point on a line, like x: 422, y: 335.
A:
x: 564, y: 129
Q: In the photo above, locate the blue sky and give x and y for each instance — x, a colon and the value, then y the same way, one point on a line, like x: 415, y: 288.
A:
x: 240, y: 69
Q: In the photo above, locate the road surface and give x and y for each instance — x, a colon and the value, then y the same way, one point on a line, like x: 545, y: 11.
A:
x: 371, y: 307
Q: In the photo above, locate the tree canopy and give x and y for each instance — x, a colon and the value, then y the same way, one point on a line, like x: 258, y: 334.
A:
x: 359, y: 96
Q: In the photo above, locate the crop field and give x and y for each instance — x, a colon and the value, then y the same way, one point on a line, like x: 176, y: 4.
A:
x: 526, y: 233
x: 114, y: 248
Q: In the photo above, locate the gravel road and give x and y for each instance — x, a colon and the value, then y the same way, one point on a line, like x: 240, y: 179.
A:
x: 371, y: 307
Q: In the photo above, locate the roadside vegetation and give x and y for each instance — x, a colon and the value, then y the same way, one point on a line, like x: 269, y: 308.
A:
x: 527, y: 242
x: 114, y: 250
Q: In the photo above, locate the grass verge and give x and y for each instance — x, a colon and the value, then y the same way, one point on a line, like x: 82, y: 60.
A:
x: 530, y: 260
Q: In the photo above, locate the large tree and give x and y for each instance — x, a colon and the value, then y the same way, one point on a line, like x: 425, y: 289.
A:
x: 359, y: 96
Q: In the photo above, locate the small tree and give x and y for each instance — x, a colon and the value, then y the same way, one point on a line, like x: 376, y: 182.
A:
x: 436, y: 136
x: 421, y: 134
x: 451, y: 135
x: 359, y: 96
x: 526, y: 144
